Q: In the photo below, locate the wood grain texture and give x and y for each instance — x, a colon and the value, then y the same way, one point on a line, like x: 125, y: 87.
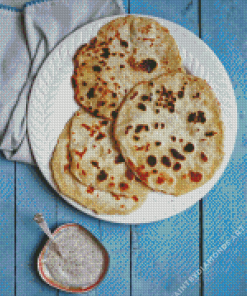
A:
x: 7, y: 227
x: 166, y: 253
x: 157, y: 258
x: 224, y: 29
x: 33, y: 195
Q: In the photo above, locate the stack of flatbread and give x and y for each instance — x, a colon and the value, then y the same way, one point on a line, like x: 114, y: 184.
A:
x: 144, y: 124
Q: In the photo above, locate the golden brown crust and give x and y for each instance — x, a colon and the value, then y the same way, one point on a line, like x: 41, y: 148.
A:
x: 96, y: 161
x: 98, y: 201
x: 126, y: 51
x: 170, y: 132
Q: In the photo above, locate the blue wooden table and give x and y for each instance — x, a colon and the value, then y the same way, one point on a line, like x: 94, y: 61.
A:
x: 201, y: 251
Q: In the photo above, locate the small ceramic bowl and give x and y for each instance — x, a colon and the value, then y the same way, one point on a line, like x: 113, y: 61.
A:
x: 45, y: 275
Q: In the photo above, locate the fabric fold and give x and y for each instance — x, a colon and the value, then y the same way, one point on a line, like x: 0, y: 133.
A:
x: 27, y: 38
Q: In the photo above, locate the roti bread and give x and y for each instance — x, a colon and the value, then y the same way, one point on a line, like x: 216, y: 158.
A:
x: 125, y: 51
x: 98, y: 201
x: 170, y: 132
x: 96, y: 161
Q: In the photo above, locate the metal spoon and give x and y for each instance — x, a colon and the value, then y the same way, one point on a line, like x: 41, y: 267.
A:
x: 43, y: 225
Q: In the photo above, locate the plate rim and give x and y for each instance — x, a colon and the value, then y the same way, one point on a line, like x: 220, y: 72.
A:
x: 120, y: 218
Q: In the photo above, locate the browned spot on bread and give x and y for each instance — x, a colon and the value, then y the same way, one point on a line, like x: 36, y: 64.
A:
x: 160, y: 180
x: 146, y: 98
x: 119, y: 159
x: 102, y: 176
x: 97, y: 68
x: 165, y: 160
x: 100, y: 103
x: 204, y: 157
x: 81, y: 153
x: 95, y: 164
x: 90, y: 189
x: 73, y: 81
x: 210, y: 134
x: 124, y: 43
x: 100, y: 136
x: 141, y: 127
x: 180, y: 94
x: 195, y: 176
x: 151, y: 160
x: 129, y: 174
x: 127, y: 129
x: 104, y: 122
x: 148, y: 65
x: 66, y: 167
x: 123, y: 186
x: 176, y: 154
x: 106, y: 52
x: 197, y: 117
x: 87, y: 127
x: 197, y: 95
x: 134, y: 95
x: 189, y: 147
x: 135, y: 198
x: 95, y: 112
x: 177, y: 166
x: 90, y: 93
x: 93, y: 42
x: 114, y: 114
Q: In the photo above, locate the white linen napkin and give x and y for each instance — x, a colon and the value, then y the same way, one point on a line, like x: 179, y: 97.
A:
x: 27, y: 36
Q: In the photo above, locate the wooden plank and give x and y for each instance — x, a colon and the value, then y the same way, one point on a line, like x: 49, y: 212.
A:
x: 7, y: 227
x: 32, y: 195
x: 116, y: 239
x: 126, y: 5
x: 165, y: 254
x: 224, y: 29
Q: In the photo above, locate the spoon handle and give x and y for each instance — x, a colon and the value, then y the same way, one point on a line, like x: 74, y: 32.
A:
x: 43, y: 225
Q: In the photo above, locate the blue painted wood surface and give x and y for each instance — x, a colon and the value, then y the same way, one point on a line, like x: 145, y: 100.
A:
x: 166, y: 253
x: 7, y: 227
x: 160, y: 258
x: 224, y: 29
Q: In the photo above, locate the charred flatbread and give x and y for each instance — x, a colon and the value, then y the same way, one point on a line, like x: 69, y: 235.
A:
x: 98, y: 201
x: 95, y: 159
x: 125, y: 51
x: 170, y: 132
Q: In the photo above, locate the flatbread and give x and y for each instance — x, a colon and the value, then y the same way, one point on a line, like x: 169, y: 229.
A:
x: 95, y: 200
x: 96, y: 161
x: 125, y: 51
x: 170, y: 132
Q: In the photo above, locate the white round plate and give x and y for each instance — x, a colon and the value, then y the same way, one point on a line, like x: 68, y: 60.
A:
x: 52, y: 104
